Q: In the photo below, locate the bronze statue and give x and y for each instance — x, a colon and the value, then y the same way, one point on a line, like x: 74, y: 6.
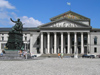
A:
x: 18, y: 26
x: 15, y: 39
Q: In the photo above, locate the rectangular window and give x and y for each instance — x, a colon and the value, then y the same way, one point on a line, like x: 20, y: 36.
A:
x: 95, y: 41
x: 2, y: 38
x: 25, y: 38
x: 95, y: 50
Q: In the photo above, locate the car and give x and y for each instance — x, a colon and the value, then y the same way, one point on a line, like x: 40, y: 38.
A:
x: 88, y: 56
x: 34, y: 55
x: 85, y: 56
x: 98, y: 56
x: 92, y: 56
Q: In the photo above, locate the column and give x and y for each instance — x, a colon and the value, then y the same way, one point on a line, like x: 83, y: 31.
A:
x: 61, y: 42
x: 68, y: 46
x: 88, y: 42
x: 75, y: 43
x: 41, y: 43
x: 31, y: 43
x: 55, y: 43
x: 48, y: 42
x: 82, y: 47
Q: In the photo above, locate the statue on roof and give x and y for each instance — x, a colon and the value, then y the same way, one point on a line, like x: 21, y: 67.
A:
x: 18, y: 26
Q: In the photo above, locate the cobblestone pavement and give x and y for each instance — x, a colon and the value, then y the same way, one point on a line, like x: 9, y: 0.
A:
x: 51, y: 66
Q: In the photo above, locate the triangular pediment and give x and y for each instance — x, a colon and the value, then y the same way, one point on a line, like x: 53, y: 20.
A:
x: 65, y: 22
x: 70, y: 15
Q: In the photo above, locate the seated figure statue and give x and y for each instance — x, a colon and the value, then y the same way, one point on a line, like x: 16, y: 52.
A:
x: 18, y: 26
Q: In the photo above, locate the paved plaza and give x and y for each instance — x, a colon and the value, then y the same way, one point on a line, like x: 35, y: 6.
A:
x: 51, y: 66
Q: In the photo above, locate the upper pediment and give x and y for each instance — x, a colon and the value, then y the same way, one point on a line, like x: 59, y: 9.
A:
x: 70, y: 15
x: 64, y: 23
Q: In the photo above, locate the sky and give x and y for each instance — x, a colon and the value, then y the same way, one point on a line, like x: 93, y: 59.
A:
x: 33, y: 13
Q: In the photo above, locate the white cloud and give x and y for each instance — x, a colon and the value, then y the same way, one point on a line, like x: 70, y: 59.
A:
x: 68, y: 3
x: 6, y: 4
x: 5, y: 16
x: 30, y: 21
x: 27, y: 21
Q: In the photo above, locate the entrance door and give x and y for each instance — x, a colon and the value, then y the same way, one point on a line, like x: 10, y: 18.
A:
x: 85, y: 50
x: 72, y: 50
x: 79, y: 49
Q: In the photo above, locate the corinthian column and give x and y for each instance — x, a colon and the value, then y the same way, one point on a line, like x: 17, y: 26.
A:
x: 41, y: 43
x: 82, y: 47
x: 68, y: 48
x: 55, y: 43
x: 61, y: 42
x: 48, y: 42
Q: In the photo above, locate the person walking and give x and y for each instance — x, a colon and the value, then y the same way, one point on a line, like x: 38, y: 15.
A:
x: 62, y: 55
x: 25, y: 54
x: 20, y: 53
x: 58, y: 55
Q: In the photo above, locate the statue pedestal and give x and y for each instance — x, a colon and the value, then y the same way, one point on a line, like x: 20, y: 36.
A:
x: 15, y: 41
x: 10, y: 54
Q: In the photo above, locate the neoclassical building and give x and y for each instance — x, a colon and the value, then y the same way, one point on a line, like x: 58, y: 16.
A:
x: 66, y: 33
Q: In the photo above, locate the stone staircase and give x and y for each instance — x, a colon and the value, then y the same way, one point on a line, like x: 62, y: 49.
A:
x: 10, y: 55
x: 56, y: 55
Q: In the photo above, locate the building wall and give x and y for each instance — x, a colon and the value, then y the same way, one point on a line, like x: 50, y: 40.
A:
x: 35, y: 35
x: 92, y: 46
x: 33, y: 42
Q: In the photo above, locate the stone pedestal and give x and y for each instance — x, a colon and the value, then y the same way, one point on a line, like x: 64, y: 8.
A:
x: 10, y: 55
x: 15, y: 41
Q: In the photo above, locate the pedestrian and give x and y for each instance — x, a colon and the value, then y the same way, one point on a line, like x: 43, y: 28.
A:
x: 20, y: 53
x: 58, y: 55
x: 3, y: 52
x: 25, y: 54
x: 62, y: 55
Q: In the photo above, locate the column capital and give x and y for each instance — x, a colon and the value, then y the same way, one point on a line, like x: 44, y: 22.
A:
x: 75, y: 32
x: 88, y: 32
x: 31, y: 34
x: 41, y: 32
x: 48, y: 32
x: 61, y: 32
x: 68, y: 32
x: 55, y: 32
x: 81, y: 33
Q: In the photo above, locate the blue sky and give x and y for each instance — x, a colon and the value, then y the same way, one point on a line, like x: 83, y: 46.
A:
x: 36, y: 12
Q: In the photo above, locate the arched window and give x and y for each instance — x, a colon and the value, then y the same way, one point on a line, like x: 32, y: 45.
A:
x: 95, y: 40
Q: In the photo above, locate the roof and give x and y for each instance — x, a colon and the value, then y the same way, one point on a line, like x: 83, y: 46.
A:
x: 24, y: 29
x: 63, y: 19
x: 74, y: 16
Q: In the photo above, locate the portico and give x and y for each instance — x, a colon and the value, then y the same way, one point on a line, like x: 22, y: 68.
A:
x: 64, y: 42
